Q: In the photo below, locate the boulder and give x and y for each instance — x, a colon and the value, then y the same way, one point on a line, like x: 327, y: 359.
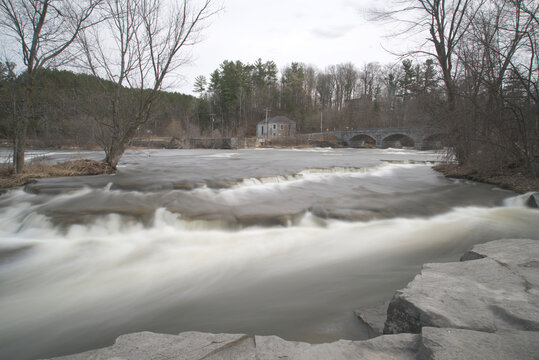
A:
x: 532, y: 202
x: 449, y: 344
x: 493, y: 293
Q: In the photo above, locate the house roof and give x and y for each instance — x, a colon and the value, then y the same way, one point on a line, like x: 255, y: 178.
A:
x: 278, y: 120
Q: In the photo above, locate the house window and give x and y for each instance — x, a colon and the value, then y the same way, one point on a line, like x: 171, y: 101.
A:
x: 274, y: 126
x: 282, y: 126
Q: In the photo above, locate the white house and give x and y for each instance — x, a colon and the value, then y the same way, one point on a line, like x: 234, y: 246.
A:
x: 279, y: 126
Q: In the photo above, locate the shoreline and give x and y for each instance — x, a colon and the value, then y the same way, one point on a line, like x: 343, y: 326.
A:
x: 41, y: 170
x: 512, y: 179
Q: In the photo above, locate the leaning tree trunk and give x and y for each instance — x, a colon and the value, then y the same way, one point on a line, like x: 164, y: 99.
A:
x: 114, y: 154
x: 119, y: 144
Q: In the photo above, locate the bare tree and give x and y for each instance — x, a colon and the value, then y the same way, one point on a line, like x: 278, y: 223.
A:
x: 444, y: 24
x: 148, y: 42
x: 42, y: 30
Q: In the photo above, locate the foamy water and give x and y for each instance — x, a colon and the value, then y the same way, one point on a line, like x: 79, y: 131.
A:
x: 280, y: 242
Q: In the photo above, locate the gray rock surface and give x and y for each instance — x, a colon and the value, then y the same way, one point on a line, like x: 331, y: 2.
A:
x: 374, y: 317
x: 198, y: 346
x: 450, y: 344
x: 391, y: 347
x: 186, y: 346
x: 497, y: 292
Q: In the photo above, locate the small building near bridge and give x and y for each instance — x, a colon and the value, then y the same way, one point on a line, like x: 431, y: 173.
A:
x: 278, y: 126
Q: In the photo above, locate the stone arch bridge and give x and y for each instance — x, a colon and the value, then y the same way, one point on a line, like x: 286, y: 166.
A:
x: 387, y: 137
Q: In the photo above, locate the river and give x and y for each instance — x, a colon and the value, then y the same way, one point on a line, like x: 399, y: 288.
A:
x: 283, y: 242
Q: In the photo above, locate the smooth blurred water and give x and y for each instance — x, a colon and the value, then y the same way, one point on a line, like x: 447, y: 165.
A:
x: 274, y: 241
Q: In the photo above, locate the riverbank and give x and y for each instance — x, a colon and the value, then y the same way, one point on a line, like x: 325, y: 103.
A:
x: 512, y: 179
x: 484, y: 307
x: 40, y: 169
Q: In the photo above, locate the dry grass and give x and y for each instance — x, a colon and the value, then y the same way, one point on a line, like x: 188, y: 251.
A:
x: 40, y: 169
x: 511, y: 179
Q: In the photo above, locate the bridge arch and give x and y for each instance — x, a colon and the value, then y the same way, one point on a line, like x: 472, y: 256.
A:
x: 362, y: 141
x: 397, y: 141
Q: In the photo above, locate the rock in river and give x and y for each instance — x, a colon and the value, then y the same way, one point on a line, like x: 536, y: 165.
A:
x: 198, y: 346
x: 373, y: 317
x: 497, y: 291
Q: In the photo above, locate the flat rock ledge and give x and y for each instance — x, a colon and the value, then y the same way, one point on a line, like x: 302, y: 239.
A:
x: 198, y: 346
x: 484, y: 307
x: 494, y: 288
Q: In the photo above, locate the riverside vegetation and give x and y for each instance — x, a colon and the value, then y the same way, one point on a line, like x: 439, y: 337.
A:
x: 476, y: 84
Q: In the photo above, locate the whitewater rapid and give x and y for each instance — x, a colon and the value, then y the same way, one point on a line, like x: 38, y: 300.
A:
x: 290, y: 250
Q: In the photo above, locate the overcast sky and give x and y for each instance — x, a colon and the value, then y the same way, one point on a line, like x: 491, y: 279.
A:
x: 316, y: 32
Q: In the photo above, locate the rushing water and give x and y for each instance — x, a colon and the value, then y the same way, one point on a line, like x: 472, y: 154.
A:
x: 285, y: 242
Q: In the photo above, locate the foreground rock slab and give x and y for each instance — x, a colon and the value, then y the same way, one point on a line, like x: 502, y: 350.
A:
x: 390, y: 347
x: 449, y: 344
x: 186, y: 346
x: 497, y: 291
x: 198, y: 346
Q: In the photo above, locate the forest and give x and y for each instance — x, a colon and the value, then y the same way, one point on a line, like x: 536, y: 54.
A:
x: 67, y: 106
x: 344, y: 96
x: 234, y: 100
x: 474, y: 79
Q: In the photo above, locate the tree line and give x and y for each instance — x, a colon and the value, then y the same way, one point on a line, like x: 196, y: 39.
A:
x: 66, y: 106
x: 486, y: 52
x: 473, y: 78
x: 237, y: 95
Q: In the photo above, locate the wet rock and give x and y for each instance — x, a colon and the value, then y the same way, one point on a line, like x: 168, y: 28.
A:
x: 391, y: 347
x: 449, y: 344
x: 196, y: 345
x: 497, y: 292
x: 532, y: 202
x: 12, y: 254
x: 373, y: 317
x: 319, y: 210
x: 185, y: 346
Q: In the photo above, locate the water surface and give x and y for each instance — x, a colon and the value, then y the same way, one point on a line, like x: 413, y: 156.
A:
x: 274, y: 241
